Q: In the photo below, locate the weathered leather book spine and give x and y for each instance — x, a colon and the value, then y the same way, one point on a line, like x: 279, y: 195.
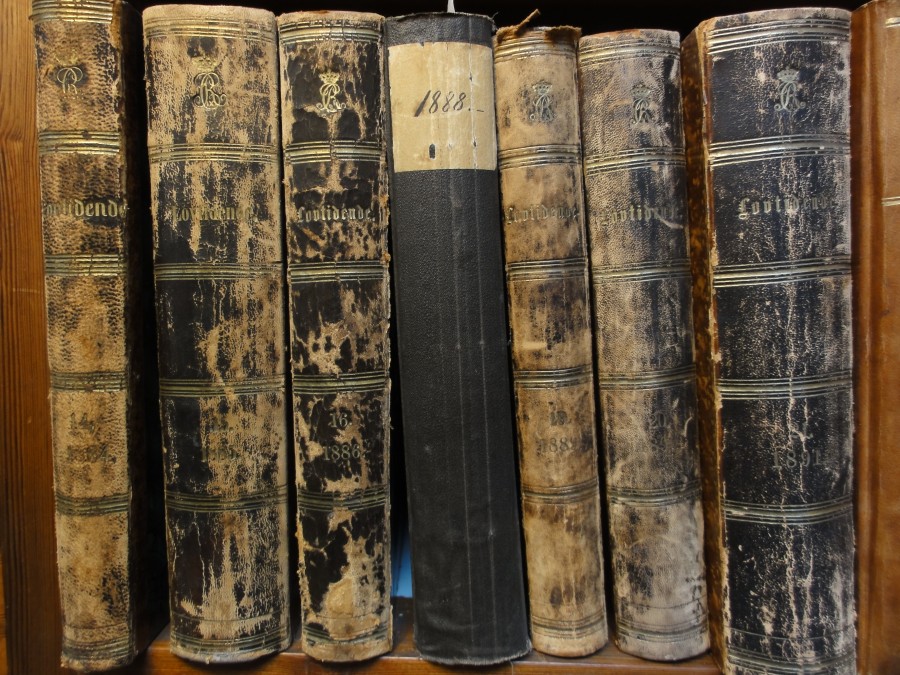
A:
x: 875, y: 127
x: 214, y: 145
x: 336, y: 201
x: 453, y: 357
x: 634, y: 173
x: 769, y: 211
x: 539, y: 153
x: 96, y: 229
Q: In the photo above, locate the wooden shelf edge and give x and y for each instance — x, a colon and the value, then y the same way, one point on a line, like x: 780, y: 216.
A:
x: 405, y: 660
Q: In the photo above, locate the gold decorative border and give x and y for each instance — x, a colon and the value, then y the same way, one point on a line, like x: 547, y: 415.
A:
x: 788, y: 514
x: 348, y: 270
x: 313, y: 152
x: 74, y: 11
x: 110, y: 382
x: 209, y: 271
x: 621, y: 49
x: 640, y: 498
x: 370, y: 498
x: 530, y: 45
x: 84, y: 265
x: 786, y: 387
x: 629, y: 160
x: 300, y: 32
x: 210, y: 503
x: 67, y: 505
x: 652, y: 270
x: 79, y: 142
x: 780, y: 272
x: 340, y: 384
x: 553, y: 379
x: 544, y: 270
x: 247, y: 31
x: 214, y: 152
x: 561, y: 496
x: 656, y: 379
x: 778, y: 147
x: 183, y: 388
x: 538, y: 155
x: 730, y: 38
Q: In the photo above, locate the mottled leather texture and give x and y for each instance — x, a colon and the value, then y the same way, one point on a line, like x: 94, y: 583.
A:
x: 214, y: 147
x: 336, y: 199
x: 630, y: 84
x: 875, y: 126
x: 769, y: 200
x: 550, y: 323
x: 468, y: 587
x: 96, y: 227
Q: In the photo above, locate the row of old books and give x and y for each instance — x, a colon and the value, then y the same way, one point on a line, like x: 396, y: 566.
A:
x: 675, y: 308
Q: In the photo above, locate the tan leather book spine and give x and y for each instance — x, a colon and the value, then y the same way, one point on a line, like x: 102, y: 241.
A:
x: 214, y: 147
x: 634, y: 173
x: 336, y: 202
x: 875, y: 126
x: 769, y: 213
x: 99, y: 296
x: 539, y: 153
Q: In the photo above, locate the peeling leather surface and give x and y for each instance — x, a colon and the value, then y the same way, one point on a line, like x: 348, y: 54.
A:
x: 781, y: 582
x: 225, y: 449
x: 643, y: 332
x: 550, y: 323
x: 339, y: 326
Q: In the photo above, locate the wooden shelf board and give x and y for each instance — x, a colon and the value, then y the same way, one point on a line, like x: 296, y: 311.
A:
x: 404, y: 660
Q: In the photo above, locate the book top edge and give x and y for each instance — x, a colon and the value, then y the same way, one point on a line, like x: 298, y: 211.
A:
x: 648, y: 35
x: 549, y: 34
x: 212, y: 12
x: 328, y: 15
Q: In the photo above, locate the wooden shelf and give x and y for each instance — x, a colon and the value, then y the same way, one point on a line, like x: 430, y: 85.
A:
x: 404, y: 660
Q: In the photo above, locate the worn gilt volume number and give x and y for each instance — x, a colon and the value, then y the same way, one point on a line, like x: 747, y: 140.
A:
x: 635, y: 190
x: 96, y: 243
x: 769, y: 200
x: 549, y: 314
x: 214, y: 168
x: 337, y: 215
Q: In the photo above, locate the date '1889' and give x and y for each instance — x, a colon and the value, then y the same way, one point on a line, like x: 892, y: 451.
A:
x: 435, y: 102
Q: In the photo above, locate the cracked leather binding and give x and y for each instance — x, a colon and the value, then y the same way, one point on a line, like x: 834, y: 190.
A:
x: 549, y: 315
x: 455, y: 394
x: 875, y: 126
x: 214, y: 145
x: 635, y: 192
x: 336, y: 201
x: 96, y: 229
x: 769, y: 200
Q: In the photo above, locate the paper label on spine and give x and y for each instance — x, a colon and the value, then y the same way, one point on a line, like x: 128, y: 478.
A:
x: 442, y: 106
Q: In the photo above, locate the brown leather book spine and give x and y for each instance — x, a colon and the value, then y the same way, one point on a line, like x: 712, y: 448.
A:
x: 214, y: 146
x: 875, y: 126
x: 96, y: 252
x: 336, y: 202
x: 635, y: 191
x: 769, y: 203
x: 539, y: 153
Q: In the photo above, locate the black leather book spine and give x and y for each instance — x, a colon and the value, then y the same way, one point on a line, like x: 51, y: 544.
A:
x: 456, y: 402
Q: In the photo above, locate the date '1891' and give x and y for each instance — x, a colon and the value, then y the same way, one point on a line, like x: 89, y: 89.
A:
x: 435, y: 102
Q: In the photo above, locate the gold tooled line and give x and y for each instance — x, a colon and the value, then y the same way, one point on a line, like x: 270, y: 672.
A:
x: 273, y: 637
x: 654, y: 379
x: 118, y: 647
x: 786, y: 387
x: 621, y: 50
x: 208, y: 503
x: 780, y: 147
x: 92, y: 506
x: 780, y: 272
x: 326, y: 151
x: 532, y: 45
x: 667, y: 496
x: 79, y: 142
x: 653, y: 270
x: 632, y: 160
x: 745, y: 660
x: 535, y: 155
x: 183, y: 388
x: 319, y: 31
x: 214, y: 152
x: 569, y: 627
x: 890, y: 201
x: 243, y: 619
x: 348, y: 270
x: 340, y: 384
x: 561, y: 496
x: 893, y: 22
x: 553, y: 379
x: 375, y: 497
x: 662, y: 635
x: 76, y: 11
x: 207, y: 271
x: 795, y: 514
x: 84, y: 265
x: 378, y: 633
x: 162, y: 27
x: 540, y: 270
x: 811, y: 29
x: 110, y: 381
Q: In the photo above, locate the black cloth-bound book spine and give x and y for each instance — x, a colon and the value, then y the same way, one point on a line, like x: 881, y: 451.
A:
x: 455, y: 394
